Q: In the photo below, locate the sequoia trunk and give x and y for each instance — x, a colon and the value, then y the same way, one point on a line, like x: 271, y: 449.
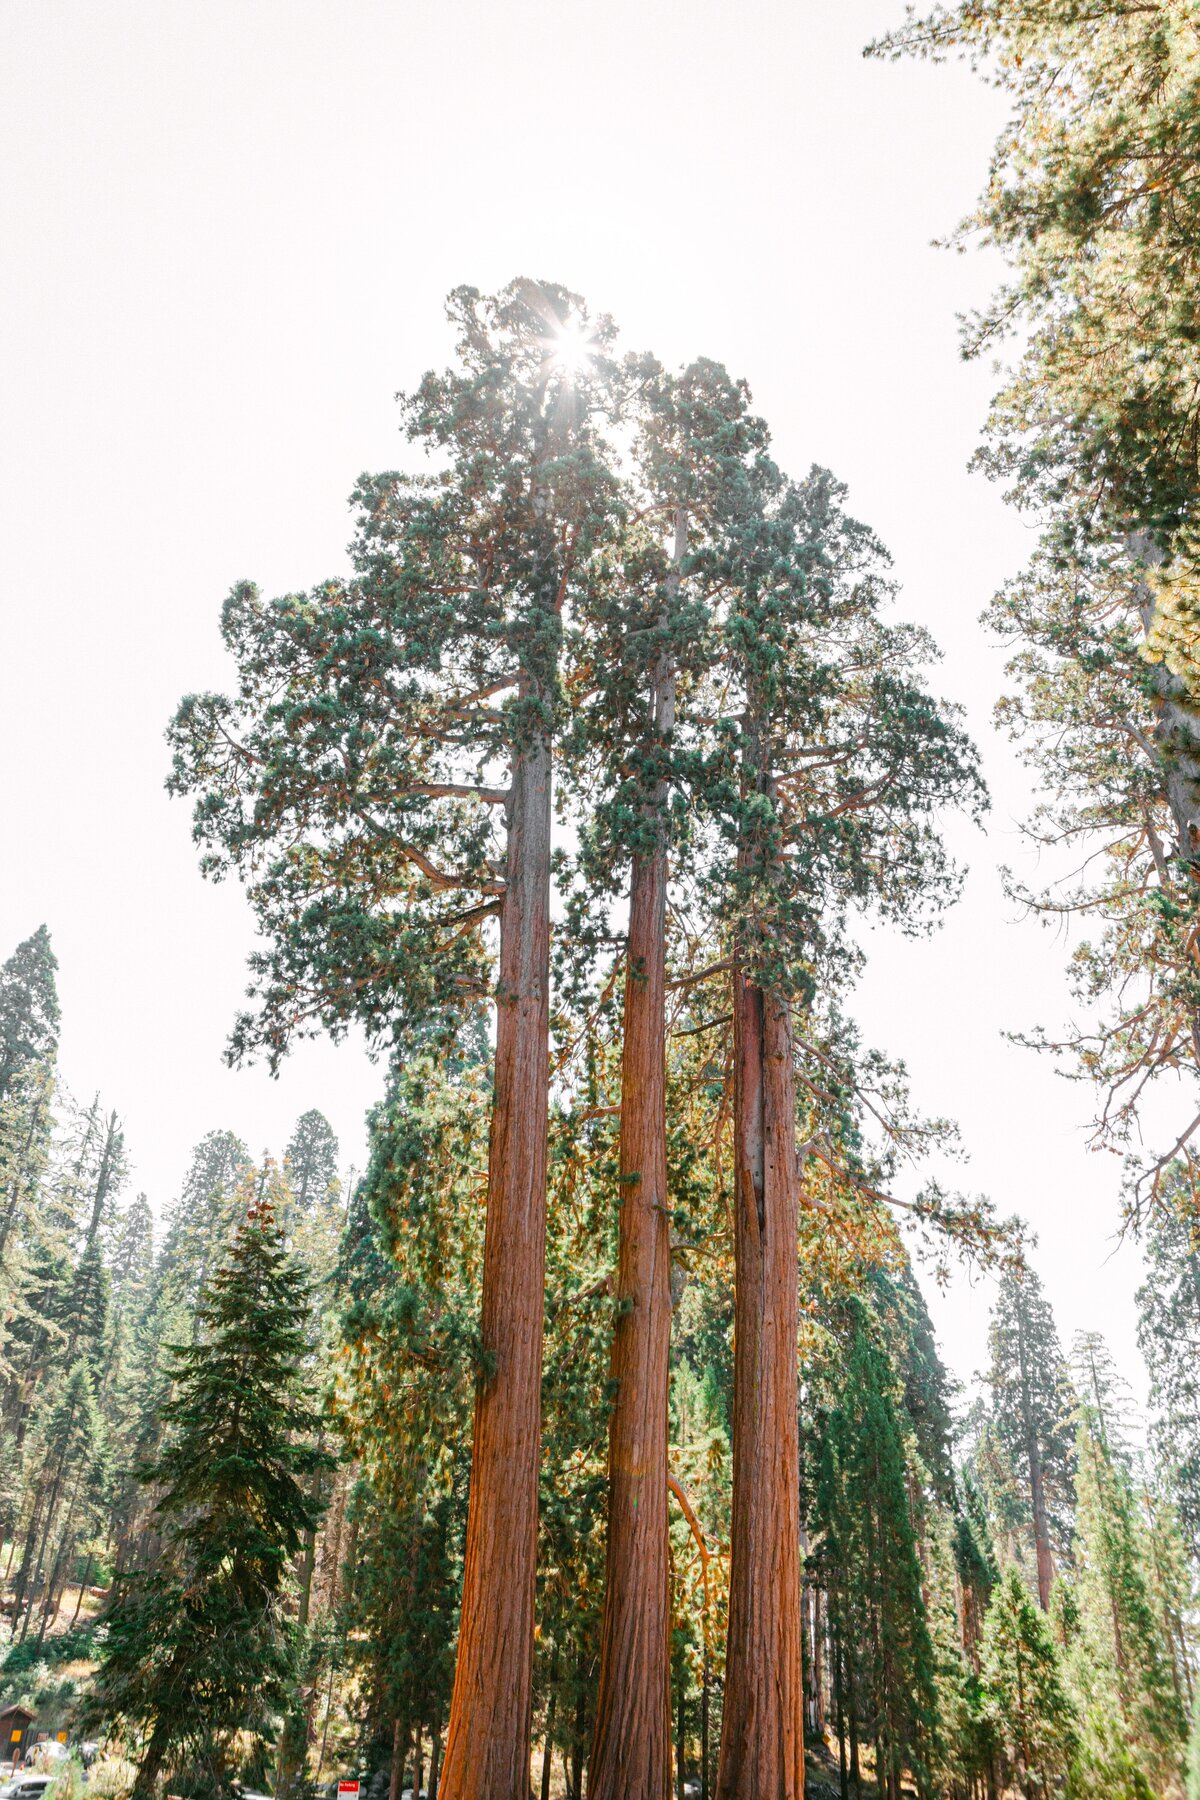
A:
x: 487, y: 1739
x: 762, y: 1734
x: 631, y: 1747
x: 631, y: 1744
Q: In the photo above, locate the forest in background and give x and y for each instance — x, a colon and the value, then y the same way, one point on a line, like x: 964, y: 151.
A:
x: 1002, y: 1581
x: 570, y: 796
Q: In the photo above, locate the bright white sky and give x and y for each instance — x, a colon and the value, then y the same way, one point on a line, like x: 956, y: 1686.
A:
x: 226, y: 233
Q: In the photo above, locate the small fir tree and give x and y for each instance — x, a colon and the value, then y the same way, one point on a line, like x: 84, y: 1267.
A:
x: 1027, y: 1703
x: 1124, y: 1665
x: 199, y: 1649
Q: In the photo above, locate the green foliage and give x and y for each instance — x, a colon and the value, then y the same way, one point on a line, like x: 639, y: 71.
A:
x: 350, y: 782
x: 1193, y: 1754
x: 197, y: 1648
x: 1092, y: 200
x: 1026, y: 1702
x: 1031, y: 1406
x: 29, y: 1014
x: 876, y: 1608
x: 1168, y: 1331
x: 1121, y: 1665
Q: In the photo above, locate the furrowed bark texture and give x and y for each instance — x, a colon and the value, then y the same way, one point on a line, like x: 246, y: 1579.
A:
x: 631, y: 1748
x: 487, y: 1741
x: 631, y: 1744
x: 762, y: 1734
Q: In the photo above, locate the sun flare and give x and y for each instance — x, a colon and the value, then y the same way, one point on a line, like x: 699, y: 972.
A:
x: 573, y: 348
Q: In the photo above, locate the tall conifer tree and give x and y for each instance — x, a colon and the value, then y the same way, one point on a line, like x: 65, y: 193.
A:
x: 29, y: 1014
x: 833, y: 756
x: 363, y: 730
x: 1029, y: 1708
x: 199, y: 1649
x: 1031, y: 1408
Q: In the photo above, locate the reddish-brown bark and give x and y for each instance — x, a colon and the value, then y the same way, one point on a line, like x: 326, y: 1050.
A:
x: 487, y: 1739
x: 631, y: 1746
x: 631, y: 1743
x: 762, y: 1735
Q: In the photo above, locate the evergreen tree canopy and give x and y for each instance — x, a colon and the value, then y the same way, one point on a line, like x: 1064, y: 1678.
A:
x: 1031, y: 1414
x: 355, y: 780
x: 199, y: 1649
x: 28, y: 1008
x: 1169, y: 1339
x: 1092, y: 199
x: 1127, y: 1672
x: 1029, y: 1708
x: 311, y: 1162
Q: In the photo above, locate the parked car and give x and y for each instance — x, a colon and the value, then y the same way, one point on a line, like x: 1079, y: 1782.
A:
x: 25, y: 1787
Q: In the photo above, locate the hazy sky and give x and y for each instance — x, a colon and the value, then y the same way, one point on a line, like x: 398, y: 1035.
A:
x: 226, y: 231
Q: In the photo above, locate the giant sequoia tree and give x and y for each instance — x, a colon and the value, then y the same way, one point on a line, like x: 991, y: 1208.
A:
x: 644, y: 643
x: 383, y: 782
x: 832, y: 759
x: 695, y: 643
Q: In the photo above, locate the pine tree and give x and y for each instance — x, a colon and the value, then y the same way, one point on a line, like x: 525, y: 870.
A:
x: 1031, y: 1400
x: 885, y: 1663
x: 975, y: 1559
x: 199, y: 1649
x: 199, y: 1224
x: 1169, y: 1339
x: 1125, y: 1664
x: 1026, y: 1701
x: 63, y: 1454
x: 29, y: 1021
x: 410, y: 1356
x: 29, y: 1014
x: 311, y: 1161
x: 1106, y: 1396
x: 1090, y: 197
x: 313, y: 1214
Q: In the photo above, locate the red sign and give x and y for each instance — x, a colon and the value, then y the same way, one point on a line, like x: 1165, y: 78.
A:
x: 347, y: 1790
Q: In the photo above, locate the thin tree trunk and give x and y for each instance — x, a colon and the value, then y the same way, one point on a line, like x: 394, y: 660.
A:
x: 707, y: 1677
x: 83, y: 1585
x: 577, y: 1747
x: 852, y: 1722
x: 399, y: 1752
x: 435, y: 1761
x: 839, y: 1705
x: 551, y: 1709
x: 762, y: 1735
x: 151, y: 1763
x: 487, y: 1740
x: 818, y: 1677
x: 306, y: 1576
x: 1037, y: 1485
x: 631, y: 1745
